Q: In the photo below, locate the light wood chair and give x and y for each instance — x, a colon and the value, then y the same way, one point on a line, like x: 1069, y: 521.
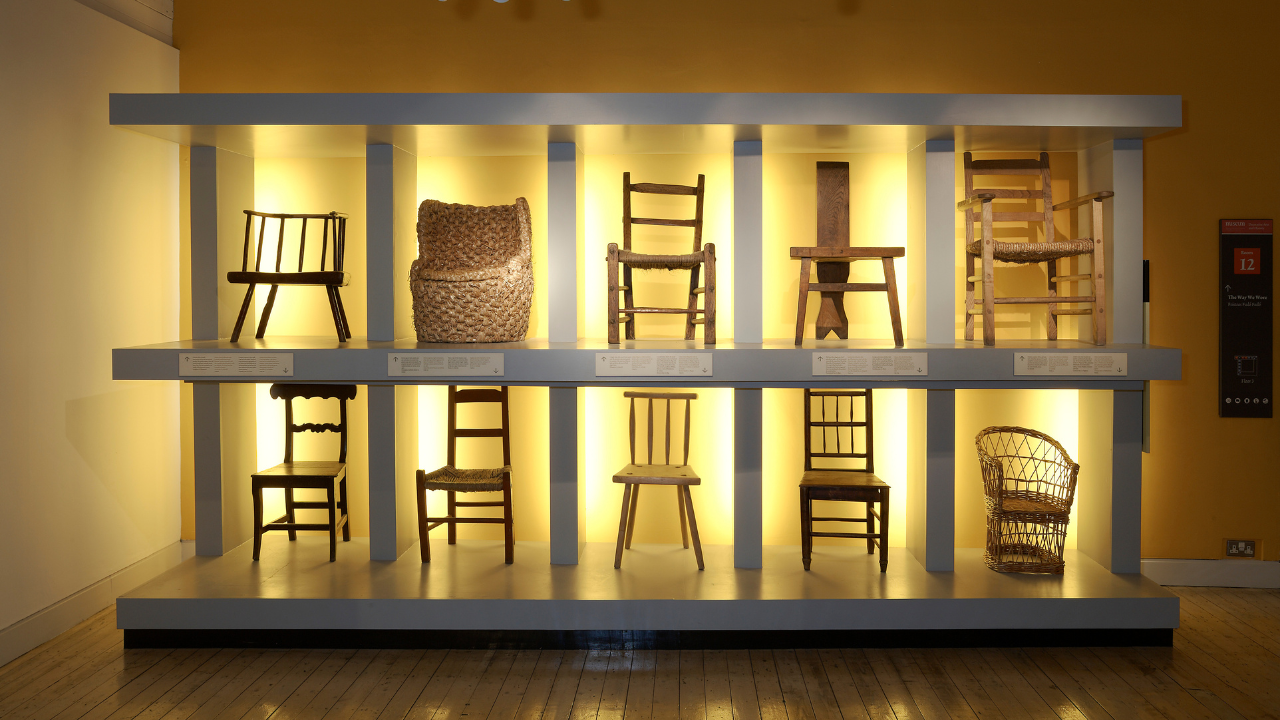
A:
x: 833, y: 256
x: 331, y: 280
x: 842, y: 484
x: 1029, y: 482
x: 987, y: 249
x: 650, y: 473
x: 703, y: 256
x: 293, y: 474
x: 483, y: 480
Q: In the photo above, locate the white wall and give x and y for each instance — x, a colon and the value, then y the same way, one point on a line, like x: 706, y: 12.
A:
x: 89, y: 249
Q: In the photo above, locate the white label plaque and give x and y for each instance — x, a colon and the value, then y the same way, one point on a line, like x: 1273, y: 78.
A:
x: 445, y: 364
x: 865, y: 363
x: 1071, y: 364
x: 235, y: 363
x: 653, y: 364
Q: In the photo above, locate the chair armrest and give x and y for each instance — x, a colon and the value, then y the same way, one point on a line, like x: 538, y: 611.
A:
x: 1083, y: 199
x: 975, y: 201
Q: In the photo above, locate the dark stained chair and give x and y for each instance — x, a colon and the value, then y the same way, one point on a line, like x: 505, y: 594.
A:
x: 291, y: 474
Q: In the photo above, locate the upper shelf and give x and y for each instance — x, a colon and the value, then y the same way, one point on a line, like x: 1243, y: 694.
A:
x: 342, y: 124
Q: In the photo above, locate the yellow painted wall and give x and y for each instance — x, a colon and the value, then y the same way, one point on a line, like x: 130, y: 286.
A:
x: 1217, y: 56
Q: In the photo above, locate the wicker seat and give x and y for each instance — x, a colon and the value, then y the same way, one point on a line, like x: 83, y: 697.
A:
x: 471, y: 480
x: 473, y: 279
x: 1030, y: 482
x: 1026, y: 253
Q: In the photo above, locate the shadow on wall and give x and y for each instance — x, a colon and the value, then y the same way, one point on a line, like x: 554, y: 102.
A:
x: 525, y: 9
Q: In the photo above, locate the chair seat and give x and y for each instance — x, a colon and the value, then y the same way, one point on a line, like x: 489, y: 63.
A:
x: 660, y: 262
x: 847, y: 254
x: 658, y: 475
x: 840, y: 478
x: 292, y: 472
x: 465, y: 480
x: 1024, y: 506
x: 1035, y: 252
x: 335, y: 278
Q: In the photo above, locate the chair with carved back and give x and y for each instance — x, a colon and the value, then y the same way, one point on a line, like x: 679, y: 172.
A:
x: 987, y: 248
x: 653, y: 473
x: 622, y: 261
x: 291, y: 475
x: 334, y: 226
x: 454, y: 480
x: 830, y: 436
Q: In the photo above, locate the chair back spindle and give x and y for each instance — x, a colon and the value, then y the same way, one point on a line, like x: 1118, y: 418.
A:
x: 289, y: 392
x: 260, y: 219
x: 838, y: 423
x: 665, y: 398
x: 1036, y: 169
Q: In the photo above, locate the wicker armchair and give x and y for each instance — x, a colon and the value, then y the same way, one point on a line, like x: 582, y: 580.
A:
x: 473, y: 279
x: 1030, y: 483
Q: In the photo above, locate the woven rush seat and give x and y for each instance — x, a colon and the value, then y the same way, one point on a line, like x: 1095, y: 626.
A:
x: 468, y: 480
x: 641, y: 261
x: 1032, y: 507
x: 1035, y: 252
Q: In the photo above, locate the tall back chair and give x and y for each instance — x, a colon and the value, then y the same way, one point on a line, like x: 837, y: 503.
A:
x: 1030, y: 482
x: 652, y: 472
x: 702, y: 256
x: 978, y: 210
x: 831, y: 438
x: 290, y: 475
x: 333, y: 234
x: 483, y: 480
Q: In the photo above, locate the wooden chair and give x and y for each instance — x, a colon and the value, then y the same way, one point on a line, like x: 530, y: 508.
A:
x: 307, y: 474
x: 977, y: 207
x: 1030, y: 482
x: 702, y: 256
x: 650, y: 473
x: 330, y: 279
x: 850, y: 485
x: 454, y: 480
x: 833, y: 256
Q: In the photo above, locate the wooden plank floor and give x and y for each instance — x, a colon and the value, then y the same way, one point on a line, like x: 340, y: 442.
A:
x: 1225, y: 663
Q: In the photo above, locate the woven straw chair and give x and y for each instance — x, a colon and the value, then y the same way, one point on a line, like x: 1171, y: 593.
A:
x: 977, y: 207
x: 1030, y: 483
x: 473, y: 279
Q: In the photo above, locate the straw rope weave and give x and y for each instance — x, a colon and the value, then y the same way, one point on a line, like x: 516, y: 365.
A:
x: 469, y: 480
x: 640, y: 261
x: 473, y: 279
x: 1035, y: 252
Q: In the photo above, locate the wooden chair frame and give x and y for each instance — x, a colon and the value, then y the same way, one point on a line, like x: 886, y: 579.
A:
x: 702, y: 258
x: 330, y: 279
x: 842, y: 484
x: 650, y: 473
x: 977, y: 207
x: 425, y: 482
x: 292, y: 475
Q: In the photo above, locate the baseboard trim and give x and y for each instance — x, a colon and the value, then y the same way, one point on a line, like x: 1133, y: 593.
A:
x: 1213, y: 573
x: 44, y: 625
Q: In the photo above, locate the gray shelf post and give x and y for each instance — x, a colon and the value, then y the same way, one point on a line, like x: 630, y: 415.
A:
x: 564, y: 277
x: 748, y: 328
x: 390, y: 246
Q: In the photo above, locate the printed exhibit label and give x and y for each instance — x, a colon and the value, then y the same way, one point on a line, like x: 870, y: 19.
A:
x: 1071, y: 364
x: 653, y: 365
x: 445, y: 365
x: 224, y: 364
x: 866, y: 363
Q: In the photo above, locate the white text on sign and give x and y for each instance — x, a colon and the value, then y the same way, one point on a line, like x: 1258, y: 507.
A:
x: 234, y: 364
x: 445, y: 365
x: 1071, y: 364
x: 653, y: 365
x: 885, y: 363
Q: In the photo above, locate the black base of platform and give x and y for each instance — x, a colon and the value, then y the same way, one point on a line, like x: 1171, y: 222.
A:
x: 646, y: 639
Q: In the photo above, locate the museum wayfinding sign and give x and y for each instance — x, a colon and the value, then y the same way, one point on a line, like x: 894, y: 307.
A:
x: 1244, y: 318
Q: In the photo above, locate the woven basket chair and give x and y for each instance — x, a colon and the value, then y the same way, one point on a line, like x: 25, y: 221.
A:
x: 473, y: 279
x: 1030, y: 483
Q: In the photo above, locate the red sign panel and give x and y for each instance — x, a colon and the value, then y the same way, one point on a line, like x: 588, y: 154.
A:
x: 1248, y: 261
x: 1246, y: 227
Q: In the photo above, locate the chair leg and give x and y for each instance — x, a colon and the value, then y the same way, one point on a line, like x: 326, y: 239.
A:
x: 631, y: 517
x: 1050, y: 318
x: 613, y: 294
x: 684, y: 525
x: 629, y: 300
x: 342, y: 312
x: 709, y: 294
x: 871, y: 528
x: 891, y: 289
x: 333, y: 309
x: 266, y: 312
x: 333, y: 524
x: 424, y: 535
x: 988, y: 279
x: 693, y: 526
x: 257, y: 520
x: 244, y: 309
x: 884, y: 529
x: 289, y: 512
x: 806, y: 528
x: 802, y: 304
x: 342, y: 505
x: 622, y: 524
x: 692, y: 305
x: 970, y: 267
x: 507, y: 522
x: 453, y: 515
x: 1098, y: 266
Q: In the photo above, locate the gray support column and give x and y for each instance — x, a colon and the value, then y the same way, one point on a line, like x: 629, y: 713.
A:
x: 940, y: 241
x: 748, y: 500
x: 748, y: 242
x: 390, y: 246
x: 1109, y: 488
x: 224, y: 421
x: 564, y: 205
x: 931, y: 473
x: 1117, y: 166
x: 1126, y: 481
x: 568, y: 492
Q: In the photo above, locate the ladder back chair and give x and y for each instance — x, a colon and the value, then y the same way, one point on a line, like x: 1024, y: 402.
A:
x: 1029, y: 482
x: 985, y: 248
x: 836, y: 426
x: 833, y: 257
x: 453, y: 480
x: 333, y: 234
x: 623, y: 260
x: 653, y: 473
x: 293, y: 474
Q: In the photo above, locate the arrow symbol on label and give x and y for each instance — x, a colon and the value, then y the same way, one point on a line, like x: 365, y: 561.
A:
x: 1228, y: 288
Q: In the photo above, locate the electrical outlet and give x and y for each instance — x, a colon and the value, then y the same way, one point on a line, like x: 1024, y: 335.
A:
x: 1242, y: 549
